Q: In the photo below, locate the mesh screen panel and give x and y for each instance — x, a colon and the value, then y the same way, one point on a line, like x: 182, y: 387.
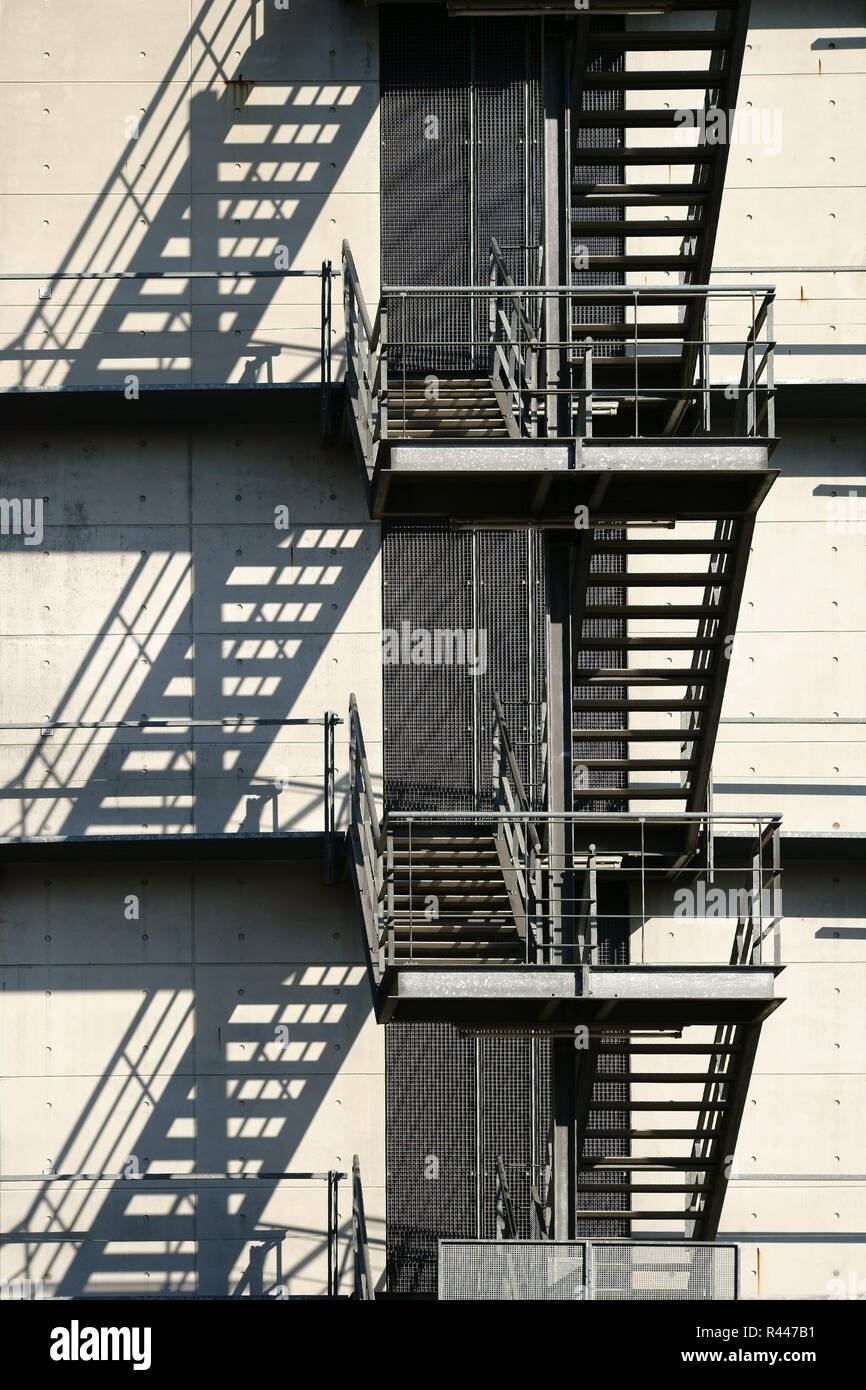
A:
x: 430, y: 1147
x: 438, y: 716
x: 664, y: 1272
x: 429, y: 709
x: 446, y: 1094
x: 461, y: 127
x: 424, y: 85
x: 505, y: 1270
x: 547, y: 1270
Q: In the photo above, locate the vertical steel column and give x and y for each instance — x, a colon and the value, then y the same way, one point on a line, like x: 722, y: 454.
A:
x: 557, y: 231
x: 325, y: 370
x: 328, y: 788
x: 560, y: 721
x: 564, y: 1116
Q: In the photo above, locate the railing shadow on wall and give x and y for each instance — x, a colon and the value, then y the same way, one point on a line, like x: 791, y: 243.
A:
x: 144, y: 739
x: 179, y: 1175
x: 177, y: 271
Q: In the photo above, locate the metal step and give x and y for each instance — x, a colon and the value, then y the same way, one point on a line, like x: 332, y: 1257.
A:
x: 633, y: 227
x: 648, y: 154
x: 637, y: 706
x: 625, y: 332
x: 637, y: 735
x: 692, y: 579
x: 680, y: 546
x: 661, y: 40
x: 633, y: 764
x: 625, y: 261
x: 633, y: 117
x: 658, y: 1164
x: 675, y: 79
x: 644, y: 675
x: 650, y: 610
x: 639, y: 195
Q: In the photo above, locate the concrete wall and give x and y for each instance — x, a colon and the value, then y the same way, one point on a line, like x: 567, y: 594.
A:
x: 153, y: 1046
x: 164, y: 587
x: 798, y: 1192
x: 148, y: 140
x: 800, y: 649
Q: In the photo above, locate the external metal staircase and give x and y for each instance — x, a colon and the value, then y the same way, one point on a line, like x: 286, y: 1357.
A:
x: 606, y: 410
x: 654, y: 617
x: 441, y: 407
x: 477, y: 921
x: 446, y: 900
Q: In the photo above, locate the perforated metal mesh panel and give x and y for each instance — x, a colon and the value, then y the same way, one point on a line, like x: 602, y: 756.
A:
x: 426, y: 192
x: 507, y: 1270
x: 663, y: 1272
x: 429, y: 709
x: 438, y: 717
x: 625, y: 1270
x: 430, y: 1147
x: 599, y: 138
x: 461, y: 126
x: 453, y: 1105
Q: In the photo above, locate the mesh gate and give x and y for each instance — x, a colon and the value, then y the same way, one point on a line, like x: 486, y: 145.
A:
x: 593, y: 1270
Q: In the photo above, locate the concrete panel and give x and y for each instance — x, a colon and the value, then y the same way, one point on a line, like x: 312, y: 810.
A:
x: 258, y: 1122
x: 74, y: 145
x: 822, y: 1124
x: 820, y: 1030
x: 257, y: 901
x: 315, y: 40
x: 144, y: 1031
x: 71, y: 915
x: 122, y: 42
x: 783, y: 1267
x: 315, y: 1020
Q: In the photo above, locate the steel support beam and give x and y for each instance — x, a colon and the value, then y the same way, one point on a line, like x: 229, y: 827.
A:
x: 564, y: 1067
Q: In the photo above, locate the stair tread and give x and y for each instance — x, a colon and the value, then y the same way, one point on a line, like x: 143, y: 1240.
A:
x: 660, y: 40
x: 674, y: 78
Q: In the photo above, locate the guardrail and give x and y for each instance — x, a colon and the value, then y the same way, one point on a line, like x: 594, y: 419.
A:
x: 62, y: 326
x: 561, y: 384
x: 57, y: 738
x: 622, y: 897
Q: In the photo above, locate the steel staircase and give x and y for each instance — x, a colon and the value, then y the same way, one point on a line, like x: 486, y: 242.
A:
x: 446, y: 899
x: 684, y: 1107
x: 464, y: 407
x: 649, y: 675
x: 639, y: 178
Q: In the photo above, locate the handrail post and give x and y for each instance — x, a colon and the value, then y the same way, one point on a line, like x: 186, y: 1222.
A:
x: 771, y: 366
x: 329, y: 796
x: 706, y: 413
x: 325, y: 364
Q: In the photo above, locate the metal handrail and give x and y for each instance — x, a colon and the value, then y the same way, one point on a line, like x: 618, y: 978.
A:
x: 508, y: 284
x: 515, y: 350
x: 360, y: 1245
x: 366, y: 838
x: 502, y: 738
